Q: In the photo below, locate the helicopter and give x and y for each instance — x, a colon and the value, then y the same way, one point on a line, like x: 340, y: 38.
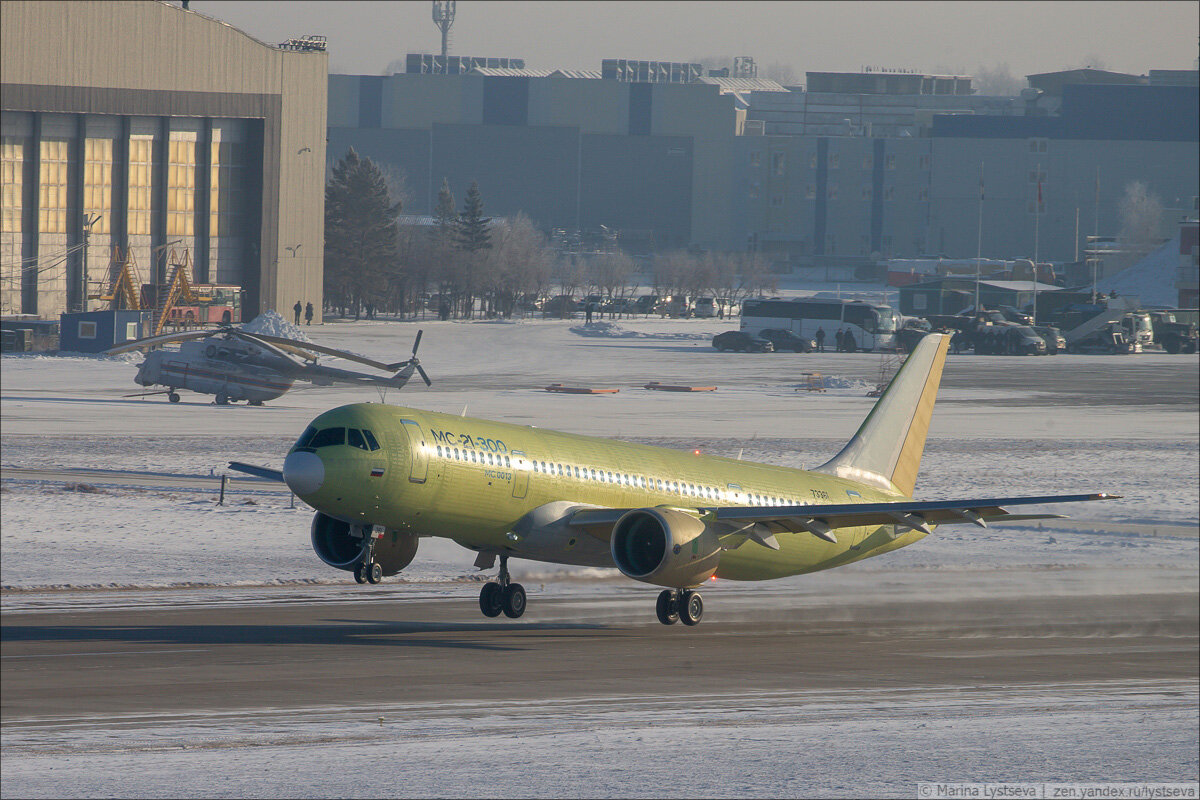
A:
x: 234, y: 364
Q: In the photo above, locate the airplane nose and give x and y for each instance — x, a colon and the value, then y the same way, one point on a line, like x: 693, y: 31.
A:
x: 304, y: 473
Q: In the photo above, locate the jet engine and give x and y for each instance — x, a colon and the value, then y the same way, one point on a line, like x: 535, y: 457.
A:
x: 664, y: 547
x: 340, y: 544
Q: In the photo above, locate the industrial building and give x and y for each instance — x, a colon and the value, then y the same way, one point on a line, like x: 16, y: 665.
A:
x: 168, y: 137
x: 871, y: 166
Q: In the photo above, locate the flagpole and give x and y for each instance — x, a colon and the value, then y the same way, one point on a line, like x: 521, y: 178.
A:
x: 979, y: 241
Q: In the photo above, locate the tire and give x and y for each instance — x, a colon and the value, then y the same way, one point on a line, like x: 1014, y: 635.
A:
x: 173, y: 397
x: 359, y: 574
x: 514, y: 600
x: 665, y: 608
x: 691, y: 608
x: 1173, y: 345
x: 211, y: 351
x: 374, y: 573
x: 491, y: 599
x: 222, y: 399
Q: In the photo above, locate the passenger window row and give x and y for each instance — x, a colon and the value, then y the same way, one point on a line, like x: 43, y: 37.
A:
x: 604, y: 476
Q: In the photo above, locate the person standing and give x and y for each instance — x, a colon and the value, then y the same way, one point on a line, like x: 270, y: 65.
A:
x: 820, y: 340
x: 588, y: 313
x: 837, y: 339
x: 848, y: 343
x: 308, y: 314
x: 297, y: 308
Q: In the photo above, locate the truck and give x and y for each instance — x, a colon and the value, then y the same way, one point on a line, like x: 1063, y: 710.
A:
x: 1174, y: 331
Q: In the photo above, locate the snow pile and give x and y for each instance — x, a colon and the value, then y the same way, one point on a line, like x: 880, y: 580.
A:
x: 1152, y: 279
x: 271, y: 324
x: 610, y: 330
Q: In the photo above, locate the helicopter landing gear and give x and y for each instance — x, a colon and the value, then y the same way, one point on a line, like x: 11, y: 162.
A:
x: 256, y: 402
x: 502, y: 595
x: 173, y: 397
x: 368, y: 570
x: 684, y: 606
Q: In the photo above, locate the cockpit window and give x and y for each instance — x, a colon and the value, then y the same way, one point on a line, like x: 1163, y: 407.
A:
x: 370, y: 437
x: 327, y: 437
x: 306, y: 437
x: 354, y: 438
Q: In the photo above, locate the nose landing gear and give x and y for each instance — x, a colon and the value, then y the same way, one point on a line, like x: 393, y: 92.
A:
x: 368, y: 570
x: 502, y: 596
x: 684, y: 606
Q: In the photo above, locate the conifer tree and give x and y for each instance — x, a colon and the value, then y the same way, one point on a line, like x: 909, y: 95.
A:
x: 361, y: 238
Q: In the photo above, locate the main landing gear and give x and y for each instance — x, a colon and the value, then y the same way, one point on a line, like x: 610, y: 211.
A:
x: 502, y: 596
x: 368, y: 570
x: 684, y: 606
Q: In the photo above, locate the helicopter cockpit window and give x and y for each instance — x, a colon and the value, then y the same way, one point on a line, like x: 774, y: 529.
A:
x: 354, y: 438
x: 370, y: 437
x: 327, y: 437
x: 305, y: 439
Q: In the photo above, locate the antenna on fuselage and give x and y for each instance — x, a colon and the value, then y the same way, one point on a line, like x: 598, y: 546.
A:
x: 464, y: 411
x: 740, y: 451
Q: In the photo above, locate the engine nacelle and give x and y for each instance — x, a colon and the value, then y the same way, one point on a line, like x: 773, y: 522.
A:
x: 340, y: 545
x: 664, y: 547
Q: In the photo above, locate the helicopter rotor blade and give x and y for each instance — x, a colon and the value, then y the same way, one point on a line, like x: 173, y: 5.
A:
x: 163, y: 338
x: 417, y: 343
x: 424, y: 377
x: 319, y: 349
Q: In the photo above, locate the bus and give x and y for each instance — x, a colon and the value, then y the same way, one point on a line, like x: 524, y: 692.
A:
x: 872, y: 326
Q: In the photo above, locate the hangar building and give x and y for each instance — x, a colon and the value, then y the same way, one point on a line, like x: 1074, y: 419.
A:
x: 168, y: 131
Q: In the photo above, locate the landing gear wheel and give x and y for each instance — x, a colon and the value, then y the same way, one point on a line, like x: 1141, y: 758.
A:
x: 374, y: 572
x: 222, y: 399
x: 491, y: 599
x: 667, y: 614
x: 514, y: 600
x: 691, y: 608
x: 360, y: 575
x: 173, y: 397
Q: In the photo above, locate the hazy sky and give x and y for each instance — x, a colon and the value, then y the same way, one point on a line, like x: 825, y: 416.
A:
x: 1028, y: 37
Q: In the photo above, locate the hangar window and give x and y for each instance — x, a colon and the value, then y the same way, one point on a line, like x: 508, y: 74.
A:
x: 327, y: 437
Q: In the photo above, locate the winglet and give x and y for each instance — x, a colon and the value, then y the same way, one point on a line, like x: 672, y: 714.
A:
x: 886, y: 450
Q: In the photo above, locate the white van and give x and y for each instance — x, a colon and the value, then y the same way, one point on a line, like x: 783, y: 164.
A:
x: 705, y: 307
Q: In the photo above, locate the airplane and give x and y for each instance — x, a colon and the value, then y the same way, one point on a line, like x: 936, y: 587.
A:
x: 234, y: 364
x: 380, y: 477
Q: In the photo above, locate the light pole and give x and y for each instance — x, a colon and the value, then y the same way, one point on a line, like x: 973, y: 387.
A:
x: 88, y: 222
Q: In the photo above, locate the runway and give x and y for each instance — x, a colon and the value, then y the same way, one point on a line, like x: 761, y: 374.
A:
x: 293, y: 654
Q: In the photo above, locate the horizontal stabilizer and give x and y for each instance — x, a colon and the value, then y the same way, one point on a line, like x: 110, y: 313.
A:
x: 260, y: 472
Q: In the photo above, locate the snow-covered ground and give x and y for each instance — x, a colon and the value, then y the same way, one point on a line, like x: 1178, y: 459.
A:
x: 1002, y: 426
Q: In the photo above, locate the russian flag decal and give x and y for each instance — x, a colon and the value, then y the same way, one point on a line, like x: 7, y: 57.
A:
x: 376, y: 472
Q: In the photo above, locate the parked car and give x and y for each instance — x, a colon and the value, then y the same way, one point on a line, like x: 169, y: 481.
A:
x: 786, y: 340
x: 705, y: 307
x: 743, y: 342
x: 563, y: 306
x: 1055, y: 341
x: 646, y: 304
x: 1009, y: 340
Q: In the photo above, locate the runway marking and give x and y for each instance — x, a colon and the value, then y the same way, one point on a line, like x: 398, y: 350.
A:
x: 111, y: 653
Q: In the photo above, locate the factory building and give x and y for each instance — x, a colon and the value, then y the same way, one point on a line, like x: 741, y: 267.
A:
x: 856, y: 168
x: 168, y: 137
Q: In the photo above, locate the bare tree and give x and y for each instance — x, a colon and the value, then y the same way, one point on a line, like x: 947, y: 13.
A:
x: 997, y: 80
x: 1141, y: 215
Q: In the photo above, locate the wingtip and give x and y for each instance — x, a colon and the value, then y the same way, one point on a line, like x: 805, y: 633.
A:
x: 1106, y: 496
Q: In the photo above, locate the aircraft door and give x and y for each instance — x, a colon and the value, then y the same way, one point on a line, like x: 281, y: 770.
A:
x: 520, y: 474
x: 419, y: 456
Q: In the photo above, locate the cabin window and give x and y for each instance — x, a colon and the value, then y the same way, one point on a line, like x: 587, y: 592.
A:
x: 328, y: 437
x: 354, y: 438
x: 371, y: 442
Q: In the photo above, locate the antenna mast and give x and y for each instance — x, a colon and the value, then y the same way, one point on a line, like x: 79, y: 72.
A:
x: 443, y: 17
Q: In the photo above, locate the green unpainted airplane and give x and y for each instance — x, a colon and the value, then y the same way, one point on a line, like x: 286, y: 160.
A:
x: 381, y: 477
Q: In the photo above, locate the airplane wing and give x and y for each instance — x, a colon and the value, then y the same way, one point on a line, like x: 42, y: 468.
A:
x: 760, y: 523
x: 260, y: 472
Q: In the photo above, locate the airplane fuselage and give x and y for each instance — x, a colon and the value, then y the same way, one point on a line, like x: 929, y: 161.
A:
x: 502, y: 488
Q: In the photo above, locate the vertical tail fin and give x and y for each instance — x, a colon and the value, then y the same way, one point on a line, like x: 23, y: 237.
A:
x: 886, y: 450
